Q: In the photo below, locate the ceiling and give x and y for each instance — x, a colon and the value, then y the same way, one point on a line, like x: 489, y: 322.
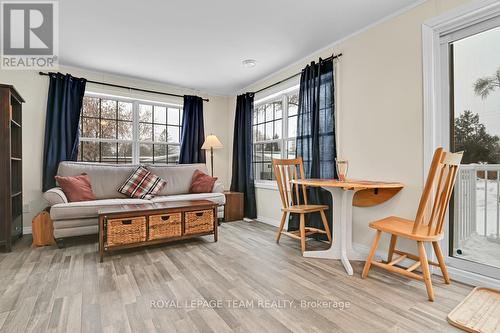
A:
x: 200, y: 44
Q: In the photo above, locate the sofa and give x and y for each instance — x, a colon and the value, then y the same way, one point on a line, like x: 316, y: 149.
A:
x: 81, y: 218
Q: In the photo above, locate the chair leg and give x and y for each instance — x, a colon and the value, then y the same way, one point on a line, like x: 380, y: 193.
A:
x: 425, y: 270
x: 392, y: 246
x: 302, y: 233
x: 440, y: 258
x: 325, y: 224
x: 371, y: 254
x: 282, y: 224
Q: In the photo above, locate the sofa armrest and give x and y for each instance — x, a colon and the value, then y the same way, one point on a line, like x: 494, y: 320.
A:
x: 218, y: 187
x: 55, y: 196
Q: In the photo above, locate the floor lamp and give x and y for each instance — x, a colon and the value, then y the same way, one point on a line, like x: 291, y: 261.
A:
x: 212, y: 142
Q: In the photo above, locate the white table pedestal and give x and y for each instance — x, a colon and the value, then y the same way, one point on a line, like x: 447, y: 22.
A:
x: 341, y: 247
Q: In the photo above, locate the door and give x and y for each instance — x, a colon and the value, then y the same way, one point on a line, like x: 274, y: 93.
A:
x: 474, y: 99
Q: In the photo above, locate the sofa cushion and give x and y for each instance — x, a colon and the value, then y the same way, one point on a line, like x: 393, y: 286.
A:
x: 62, y: 224
x: 88, y: 209
x: 77, y: 231
x: 142, y: 184
x: 202, y: 183
x: 104, y: 178
x: 218, y: 198
x: 76, y: 188
x: 178, y: 177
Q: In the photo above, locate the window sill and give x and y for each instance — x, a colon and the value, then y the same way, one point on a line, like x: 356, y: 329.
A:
x: 268, y: 185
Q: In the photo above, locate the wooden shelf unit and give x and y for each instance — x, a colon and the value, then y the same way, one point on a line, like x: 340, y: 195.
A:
x: 11, y: 164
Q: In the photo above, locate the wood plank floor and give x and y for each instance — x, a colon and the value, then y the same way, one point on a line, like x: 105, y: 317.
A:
x: 226, y: 286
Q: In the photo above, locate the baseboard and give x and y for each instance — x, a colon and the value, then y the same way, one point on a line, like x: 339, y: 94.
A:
x: 270, y: 221
x: 26, y: 230
x: 471, y: 278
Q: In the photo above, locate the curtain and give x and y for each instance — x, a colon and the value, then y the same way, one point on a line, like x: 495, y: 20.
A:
x: 64, y: 105
x: 243, y: 178
x: 316, y: 136
x: 193, y: 131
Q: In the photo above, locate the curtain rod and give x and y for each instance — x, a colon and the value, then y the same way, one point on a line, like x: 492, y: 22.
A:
x: 296, y: 74
x: 130, y: 88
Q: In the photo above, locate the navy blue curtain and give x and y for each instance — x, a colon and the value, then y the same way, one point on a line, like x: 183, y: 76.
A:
x: 243, y: 178
x: 64, y: 105
x: 316, y: 135
x: 193, y: 131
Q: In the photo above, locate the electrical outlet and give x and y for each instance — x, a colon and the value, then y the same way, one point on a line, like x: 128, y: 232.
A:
x: 26, y: 208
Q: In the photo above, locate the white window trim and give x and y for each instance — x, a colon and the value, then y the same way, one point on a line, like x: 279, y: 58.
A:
x: 135, y: 121
x: 283, y: 96
x: 436, y: 108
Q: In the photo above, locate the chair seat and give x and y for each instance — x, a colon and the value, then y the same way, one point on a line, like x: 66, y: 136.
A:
x: 404, y: 228
x: 305, y: 208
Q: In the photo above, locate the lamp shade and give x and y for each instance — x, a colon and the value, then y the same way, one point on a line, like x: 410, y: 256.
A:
x: 211, y: 142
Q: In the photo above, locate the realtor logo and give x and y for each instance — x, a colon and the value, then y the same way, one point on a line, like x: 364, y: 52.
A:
x: 29, y: 35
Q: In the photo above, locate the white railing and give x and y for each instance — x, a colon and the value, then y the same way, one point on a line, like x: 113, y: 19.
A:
x: 477, y: 202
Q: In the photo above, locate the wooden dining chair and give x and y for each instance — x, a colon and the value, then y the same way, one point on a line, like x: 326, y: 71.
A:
x: 285, y: 172
x: 427, y: 226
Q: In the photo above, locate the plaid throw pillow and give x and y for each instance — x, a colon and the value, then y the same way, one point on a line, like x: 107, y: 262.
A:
x: 142, y: 184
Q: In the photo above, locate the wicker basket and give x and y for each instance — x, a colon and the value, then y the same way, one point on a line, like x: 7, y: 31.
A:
x: 200, y: 221
x: 126, y: 231
x: 165, y: 226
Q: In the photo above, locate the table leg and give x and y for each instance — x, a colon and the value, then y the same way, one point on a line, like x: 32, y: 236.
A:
x: 341, y: 247
x: 216, y: 232
x: 101, y: 238
x: 345, y: 221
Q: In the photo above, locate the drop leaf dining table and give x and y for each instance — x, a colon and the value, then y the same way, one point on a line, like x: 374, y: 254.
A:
x: 345, y: 195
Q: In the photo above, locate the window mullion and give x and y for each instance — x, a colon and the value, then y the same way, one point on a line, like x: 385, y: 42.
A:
x: 284, y: 127
x: 135, y: 132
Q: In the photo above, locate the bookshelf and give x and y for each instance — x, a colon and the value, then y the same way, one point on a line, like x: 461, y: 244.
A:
x: 11, y: 164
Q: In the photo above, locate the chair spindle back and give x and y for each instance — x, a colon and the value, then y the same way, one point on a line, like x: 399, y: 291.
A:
x: 440, y: 182
x: 285, y: 172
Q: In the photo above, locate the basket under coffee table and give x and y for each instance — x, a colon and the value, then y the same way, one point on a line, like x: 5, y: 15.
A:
x: 128, y: 226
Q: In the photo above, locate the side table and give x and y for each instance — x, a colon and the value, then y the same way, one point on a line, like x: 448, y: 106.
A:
x: 234, y: 207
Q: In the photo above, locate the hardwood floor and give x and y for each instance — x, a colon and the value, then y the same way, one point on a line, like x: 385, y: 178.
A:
x: 68, y: 290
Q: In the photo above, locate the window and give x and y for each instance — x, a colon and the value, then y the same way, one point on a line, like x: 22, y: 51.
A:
x: 114, y: 130
x: 159, y: 134
x: 274, y: 128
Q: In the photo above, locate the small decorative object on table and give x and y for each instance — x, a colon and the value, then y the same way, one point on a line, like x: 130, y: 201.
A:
x: 234, y: 207
x: 342, y: 168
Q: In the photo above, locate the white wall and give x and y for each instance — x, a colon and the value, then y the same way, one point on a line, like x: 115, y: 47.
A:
x: 34, y: 87
x: 379, y: 110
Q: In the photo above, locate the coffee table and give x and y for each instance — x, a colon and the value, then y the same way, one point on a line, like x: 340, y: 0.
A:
x: 130, y: 226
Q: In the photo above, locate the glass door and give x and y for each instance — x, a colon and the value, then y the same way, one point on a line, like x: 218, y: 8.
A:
x: 474, y: 228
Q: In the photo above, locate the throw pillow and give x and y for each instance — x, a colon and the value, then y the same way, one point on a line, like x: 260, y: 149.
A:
x: 202, y: 183
x: 76, y: 188
x: 142, y: 184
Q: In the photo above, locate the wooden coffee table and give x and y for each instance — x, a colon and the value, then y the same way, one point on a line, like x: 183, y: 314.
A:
x: 129, y: 226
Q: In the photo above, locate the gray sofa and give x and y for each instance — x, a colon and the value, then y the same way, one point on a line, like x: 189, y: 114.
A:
x: 80, y: 218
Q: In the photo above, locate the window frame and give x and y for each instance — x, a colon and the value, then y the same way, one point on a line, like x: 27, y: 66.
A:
x: 283, y: 97
x: 135, y: 141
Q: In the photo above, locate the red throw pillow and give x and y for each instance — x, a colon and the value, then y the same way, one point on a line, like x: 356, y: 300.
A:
x: 142, y: 184
x: 76, y: 188
x: 202, y: 183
